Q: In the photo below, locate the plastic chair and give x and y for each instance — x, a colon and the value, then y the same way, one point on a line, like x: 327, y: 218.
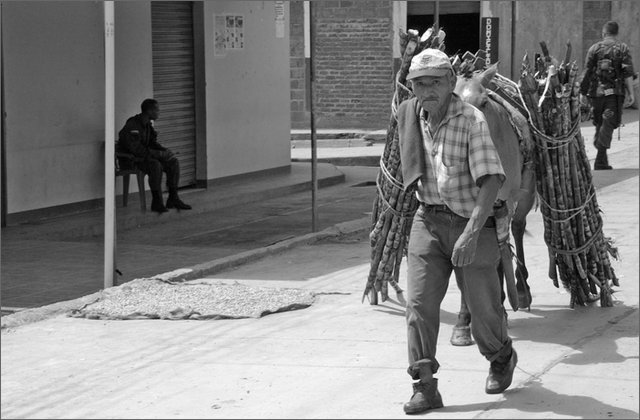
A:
x: 125, y: 167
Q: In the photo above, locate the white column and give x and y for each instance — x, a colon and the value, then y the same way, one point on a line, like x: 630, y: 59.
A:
x: 109, y: 151
x: 399, y: 24
x: 307, y: 35
x: 3, y: 157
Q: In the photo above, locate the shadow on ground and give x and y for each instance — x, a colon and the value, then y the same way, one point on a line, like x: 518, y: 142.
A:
x: 535, y: 398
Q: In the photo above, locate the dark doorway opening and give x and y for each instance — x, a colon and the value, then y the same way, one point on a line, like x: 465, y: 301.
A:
x: 462, y: 29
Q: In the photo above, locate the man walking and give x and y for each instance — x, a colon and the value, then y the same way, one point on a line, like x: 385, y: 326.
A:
x: 608, y: 67
x: 446, y: 148
x: 139, y: 138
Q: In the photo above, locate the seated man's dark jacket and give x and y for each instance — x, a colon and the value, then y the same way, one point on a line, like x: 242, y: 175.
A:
x: 139, y: 139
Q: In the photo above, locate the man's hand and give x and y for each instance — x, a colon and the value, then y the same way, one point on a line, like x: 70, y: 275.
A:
x: 162, y: 155
x: 464, y: 251
x: 629, y: 98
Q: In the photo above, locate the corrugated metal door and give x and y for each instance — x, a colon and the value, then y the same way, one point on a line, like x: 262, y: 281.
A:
x: 173, y: 82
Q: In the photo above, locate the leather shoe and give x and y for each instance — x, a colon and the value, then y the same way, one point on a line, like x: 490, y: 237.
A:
x: 501, y: 374
x: 158, y: 207
x: 425, y: 397
x: 176, y: 203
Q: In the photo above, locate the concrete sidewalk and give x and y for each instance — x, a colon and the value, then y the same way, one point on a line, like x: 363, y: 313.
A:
x: 341, y: 358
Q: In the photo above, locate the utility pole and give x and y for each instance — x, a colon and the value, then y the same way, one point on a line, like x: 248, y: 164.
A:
x: 109, y: 149
x: 312, y: 122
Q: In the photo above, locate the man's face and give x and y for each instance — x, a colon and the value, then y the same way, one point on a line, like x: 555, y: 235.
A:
x: 433, y: 91
x: 154, y: 112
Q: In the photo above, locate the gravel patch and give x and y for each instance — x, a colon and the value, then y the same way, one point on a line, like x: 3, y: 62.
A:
x: 160, y: 299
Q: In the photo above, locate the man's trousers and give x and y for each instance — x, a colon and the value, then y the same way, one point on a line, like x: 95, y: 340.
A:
x: 431, y: 243
x: 607, y: 115
x: 154, y: 168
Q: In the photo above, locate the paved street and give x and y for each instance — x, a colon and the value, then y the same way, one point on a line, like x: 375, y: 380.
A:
x: 39, y: 270
x: 341, y: 358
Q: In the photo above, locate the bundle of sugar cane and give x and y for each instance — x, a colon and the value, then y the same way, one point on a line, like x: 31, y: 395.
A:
x: 578, y: 249
x: 394, y: 206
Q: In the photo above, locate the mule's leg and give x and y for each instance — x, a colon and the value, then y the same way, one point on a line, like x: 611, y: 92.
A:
x: 518, y: 226
x: 461, y: 335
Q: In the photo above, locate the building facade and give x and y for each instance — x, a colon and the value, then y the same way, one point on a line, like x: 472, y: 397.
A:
x: 356, y: 51
x: 220, y: 71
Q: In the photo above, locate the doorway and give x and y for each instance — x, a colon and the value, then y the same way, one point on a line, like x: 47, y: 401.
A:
x: 460, y: 20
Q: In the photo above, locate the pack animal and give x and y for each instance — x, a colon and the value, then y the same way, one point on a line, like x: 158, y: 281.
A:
x: 518, y: 189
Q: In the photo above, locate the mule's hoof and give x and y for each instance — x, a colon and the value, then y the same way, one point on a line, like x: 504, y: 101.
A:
x: 373, y: 297
x: 524, y: 300
x: 461, y: 336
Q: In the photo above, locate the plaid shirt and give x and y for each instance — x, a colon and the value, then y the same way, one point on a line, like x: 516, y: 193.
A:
x: 458, y: 155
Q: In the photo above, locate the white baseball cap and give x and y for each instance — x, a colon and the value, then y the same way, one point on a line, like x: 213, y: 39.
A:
x: 430, y: 62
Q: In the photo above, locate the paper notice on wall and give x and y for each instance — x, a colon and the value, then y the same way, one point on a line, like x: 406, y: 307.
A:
x: 234, y: 32
x: 279, y: 6
x: 228, y: 33
x: 219, y: 26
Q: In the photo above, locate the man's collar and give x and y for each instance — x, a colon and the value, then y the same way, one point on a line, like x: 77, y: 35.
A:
x: 142, y: 119
x: 454, y: 109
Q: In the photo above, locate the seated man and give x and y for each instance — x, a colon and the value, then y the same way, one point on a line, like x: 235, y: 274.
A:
x: 139, y: 138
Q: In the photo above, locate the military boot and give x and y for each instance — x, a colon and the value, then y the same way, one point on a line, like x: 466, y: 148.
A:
x: 425, y: 397
x: 602, y: 161
x: 501, y: 374
x: 157, y: 204
x: 174, y: 202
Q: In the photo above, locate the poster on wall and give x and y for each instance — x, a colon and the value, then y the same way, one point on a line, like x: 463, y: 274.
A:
x: 279, y: 8
x: 228, y: 33
x: 234, y: 32
x: 219, y: 24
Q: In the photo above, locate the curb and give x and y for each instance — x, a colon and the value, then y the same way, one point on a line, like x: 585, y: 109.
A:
x: 29, y: 316
x: 372, y: 161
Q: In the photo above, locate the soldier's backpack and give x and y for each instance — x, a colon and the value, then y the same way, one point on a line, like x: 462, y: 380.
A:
x: 609, y: 65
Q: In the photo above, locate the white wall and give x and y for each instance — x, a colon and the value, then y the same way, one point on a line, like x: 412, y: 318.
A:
x: 627, y: 14
x: 248, y: 107
x: 564, y: 24
x: 134, y: 65
x: 54, y: 96
x: 532, y: 27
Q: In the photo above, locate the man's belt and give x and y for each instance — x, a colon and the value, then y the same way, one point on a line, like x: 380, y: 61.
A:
x: 434, y: 208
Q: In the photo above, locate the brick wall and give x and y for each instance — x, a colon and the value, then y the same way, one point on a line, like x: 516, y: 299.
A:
x: 595, y: 15
x: 353, y: 62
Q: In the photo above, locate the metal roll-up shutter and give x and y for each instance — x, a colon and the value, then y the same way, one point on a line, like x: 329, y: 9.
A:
x: 173, y: 82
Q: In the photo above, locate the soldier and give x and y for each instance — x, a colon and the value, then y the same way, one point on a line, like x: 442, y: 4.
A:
x: 608, y: 68
x: 139, y: 138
